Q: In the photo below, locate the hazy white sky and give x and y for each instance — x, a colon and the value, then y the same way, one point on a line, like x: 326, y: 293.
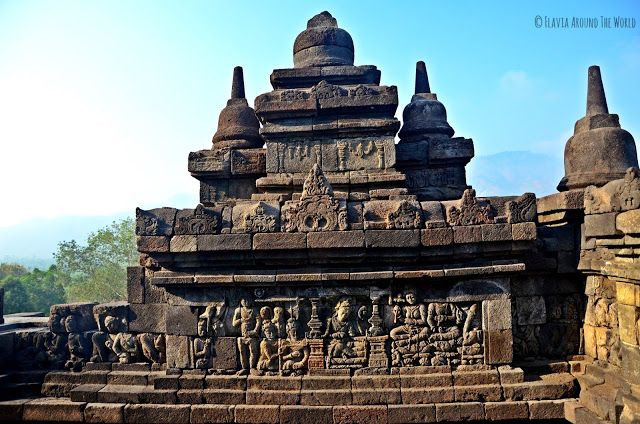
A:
x: 100, y: 102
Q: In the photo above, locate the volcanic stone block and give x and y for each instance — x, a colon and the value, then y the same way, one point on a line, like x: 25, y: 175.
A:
x: 228, y: 382
x: 459, y: 411
x: 147, y: 318
x: 546, y: 409
x: 257, y: 414
x: 104, y: 413
x: 296, y: 414
x: 355, y: 414
x: 153, y: 244
x: 248, y: 161
x: 269, y: 241
x: 558, y: 386
x: 223, y: 396
x: 208, y: 243
x: 510, y: 375
x: 325, y: 397
x: 189, y: 396
x: 135, y: 284
x: 178, y: 351
x: 392, y: 238
x: 323, y: 383
x: 467, y: 234
x: 437, y: 237
x: 226, y: 353
x: 182, y: 320
x: 128, y: 378
x: 627, y: 322
x: 600, y: 225
x: 190, y: 381
x: 524, y: 231
x: 206, y: 414
x: 627, y: 293
x: 531, y: 310
x: 161, y: 414
x: 155, y: 222
x: 82, y: 313
x: 496, y: 314
x: 474, y: 378
x: 479, y: 393
x: 425, y: 380
x: 53, y: 409
x: 183, y: 243
x: 166, y: 382
x: 427, y: 395
x: 629, y: 222
x: 498, y: 347
x: 11, y: 410
x: 403, y: 414
x: 504, y: 411
x: 496, y: 232
x: 376, y: 396
x: 273, y: 397
x: 85, y: 393
x: 335, y: 239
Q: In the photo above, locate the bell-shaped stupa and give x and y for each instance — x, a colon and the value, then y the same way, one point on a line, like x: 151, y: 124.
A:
x: 599, y: 150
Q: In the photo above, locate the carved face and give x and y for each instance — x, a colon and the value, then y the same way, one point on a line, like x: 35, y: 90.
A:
x: 278, y: 313
x: 202, y: 327
x: 269, y: 332
x: 343, y: 310
x: 245, y: 303
x: 410, y: 297
x: 71, y: 324
x: 292, y: 330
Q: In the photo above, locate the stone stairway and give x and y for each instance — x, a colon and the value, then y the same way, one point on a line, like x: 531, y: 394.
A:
x: 137, y: 394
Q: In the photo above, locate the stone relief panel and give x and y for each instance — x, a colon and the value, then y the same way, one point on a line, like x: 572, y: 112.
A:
x: 615, y: 196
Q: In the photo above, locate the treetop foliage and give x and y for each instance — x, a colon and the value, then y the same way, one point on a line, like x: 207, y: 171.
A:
x: 93, y: 272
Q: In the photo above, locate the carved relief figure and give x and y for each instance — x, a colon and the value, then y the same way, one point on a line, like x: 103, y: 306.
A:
x: 153, y: 347
x: 268, y: 361
x: 279, y: 322
x: 294, y: 353
x: 203, y: 351
x: 245, y: 319
x: 78, y: 344
x: 343, y: 351
x: 125, y: 346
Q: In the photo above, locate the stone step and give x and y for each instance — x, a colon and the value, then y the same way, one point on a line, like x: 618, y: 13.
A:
x: 361, y: 391
x: 54, y: 409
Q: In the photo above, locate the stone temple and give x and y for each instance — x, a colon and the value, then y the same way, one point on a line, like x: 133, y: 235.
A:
x: 331, y: 274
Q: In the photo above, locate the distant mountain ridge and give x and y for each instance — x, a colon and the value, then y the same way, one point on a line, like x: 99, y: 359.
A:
x: 32, y: 243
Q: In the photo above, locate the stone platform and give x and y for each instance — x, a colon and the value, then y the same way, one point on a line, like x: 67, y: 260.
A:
x: 136, y: 394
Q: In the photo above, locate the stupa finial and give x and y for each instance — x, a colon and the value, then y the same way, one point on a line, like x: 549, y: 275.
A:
x: 237, y: 84
x: 596, y: 99
x: 422, y: 79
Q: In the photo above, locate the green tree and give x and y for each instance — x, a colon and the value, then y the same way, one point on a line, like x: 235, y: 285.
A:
x: 33, y: 291
x: 97, y: 272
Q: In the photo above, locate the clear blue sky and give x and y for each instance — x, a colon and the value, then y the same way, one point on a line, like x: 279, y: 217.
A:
x: 100, y: 102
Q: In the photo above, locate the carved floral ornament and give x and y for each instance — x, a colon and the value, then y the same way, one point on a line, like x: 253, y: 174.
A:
x: 406, y: 217
x: 317, y: 209
x: 202, y: 221
x: 470, y: 211
x: 258, y: 221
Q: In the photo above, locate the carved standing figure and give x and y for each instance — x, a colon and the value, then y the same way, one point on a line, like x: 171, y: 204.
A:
x: 245, y: 319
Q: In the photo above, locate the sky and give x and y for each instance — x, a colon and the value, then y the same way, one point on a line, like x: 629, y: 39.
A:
x: 101, y: 101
